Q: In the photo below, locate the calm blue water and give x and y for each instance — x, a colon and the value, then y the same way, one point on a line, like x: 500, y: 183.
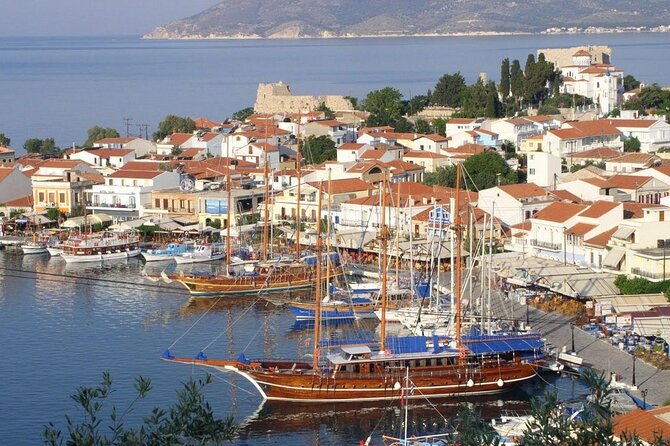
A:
x: 62, y: 332
x: 60, y: 87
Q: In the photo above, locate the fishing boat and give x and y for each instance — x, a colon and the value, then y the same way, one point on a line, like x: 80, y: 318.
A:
x: 374, y: 371
x: 38, y: 245
x: 347, y: 307
x: 97, y: 248
x: 169, y: 252
x: 202, y: 253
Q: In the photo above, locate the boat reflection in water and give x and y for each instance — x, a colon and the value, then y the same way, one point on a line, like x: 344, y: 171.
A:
x: 361, y: 420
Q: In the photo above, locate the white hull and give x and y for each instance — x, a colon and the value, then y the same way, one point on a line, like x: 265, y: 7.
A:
x: 69, y: 258
x: 55, y: 251
x: 194, y: 259
x: 158, y: 257
x: 34, y: 249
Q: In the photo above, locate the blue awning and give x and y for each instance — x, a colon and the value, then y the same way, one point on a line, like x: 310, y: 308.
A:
x: 500, y: 345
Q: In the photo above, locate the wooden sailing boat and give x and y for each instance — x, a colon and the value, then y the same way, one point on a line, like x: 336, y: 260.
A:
x: 357, y: 373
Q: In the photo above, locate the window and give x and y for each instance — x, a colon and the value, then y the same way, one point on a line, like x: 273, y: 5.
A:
x: 61, y: 198
x: 531, y: 171
x: 40, y: 197
x: 157, y: 203
x: 52, y: 197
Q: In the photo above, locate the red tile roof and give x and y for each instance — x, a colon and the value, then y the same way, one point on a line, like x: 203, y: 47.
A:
x: 628, y: 181
x: 5, y: 172
x: 373, y: 154
x: 559, y: 212
x: 603, y: 153
x: 5, y: 150
x: 178, y: 139
x: 136, y: 174
x: 523, y: 190
x: 564, y: 195
x: 343, y: 186
x: 633, y: 123
x: 124, y: 140
x: 143, y: 165
x: 580, y: 229
x: 434, y: 137
x: 26, y: 201
x: 461, y: 121
x: 107, y: 153
x: 601, y: 239
x: 636, y: 210
x: 600, y: 208
x: 204, y: 123
x: 646, y: 424
x: 350, y: 146
x: 635, y: 158
x: 424, y: 154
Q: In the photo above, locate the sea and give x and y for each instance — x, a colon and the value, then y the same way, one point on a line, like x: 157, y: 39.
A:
x: 60, y: 87
x: 62, y: 325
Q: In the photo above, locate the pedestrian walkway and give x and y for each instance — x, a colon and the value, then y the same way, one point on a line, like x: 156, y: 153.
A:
x: 558, y: 331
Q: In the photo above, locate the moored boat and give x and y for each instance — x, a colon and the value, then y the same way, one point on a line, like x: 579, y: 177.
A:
x: 168, y: 253
x: 374, y: 371
x: 202, y: 253
x: 98, y: 248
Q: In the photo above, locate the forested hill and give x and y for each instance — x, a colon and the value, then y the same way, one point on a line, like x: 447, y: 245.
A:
x: 342, y: 18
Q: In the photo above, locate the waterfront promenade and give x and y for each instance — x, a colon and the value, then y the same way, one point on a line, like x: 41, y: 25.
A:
x: 599, y: 353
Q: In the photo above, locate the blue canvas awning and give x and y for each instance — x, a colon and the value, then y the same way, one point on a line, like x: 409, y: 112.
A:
x: 501, y: 345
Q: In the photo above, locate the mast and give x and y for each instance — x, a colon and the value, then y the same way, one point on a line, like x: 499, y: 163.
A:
x: 397, y: 239
x: 319, y: 284
x: 383, y: 243
x: 488, y: 304
x: 229, y: 211
x: 327, y: 235
x: 266, y: 200
x: 457, y: 236
x: 298, y: 162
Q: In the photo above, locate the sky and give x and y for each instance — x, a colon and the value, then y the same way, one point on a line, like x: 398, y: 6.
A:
x: 20, y: 18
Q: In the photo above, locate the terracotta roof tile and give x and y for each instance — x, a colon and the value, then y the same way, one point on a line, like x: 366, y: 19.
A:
x: 580, y: 229
x: 646, y: 424
x: 599, y: 208
x: 26, y: 201
x: 136, y: 174
x: 107, y: 153
x: 628, y: 181
x: 124, y: 140
x: 603, y: 153
x: 350, y: 146
x: 564, y: 195
x: 601, y: 239
x: 635, y: 158
x: 636, y: 210
x: 559, y: 212
x: 523, y: 190
x: 343, y: 186
x: 424, y: 154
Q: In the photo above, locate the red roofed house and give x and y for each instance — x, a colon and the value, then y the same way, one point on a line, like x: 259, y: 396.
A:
x: 351, y: 152
x: 7, y: 155
x: 257, y: 152
x: 430, y: 143
x: 337, y: 131
x: 631, y: 162
x: 429, y: 160
x: 577, y: 136
x: 13, y: 184
x: 103, y: 157
x: 285, y: 205
x: 127, y: 192
x: 647, y: 425
x: 548, y: 229
x: 514, y: 203
x: 652, y: 133
x: 596, y: 155
x: 141, y: 147
x: 458, y: 125
x: 512, y: 129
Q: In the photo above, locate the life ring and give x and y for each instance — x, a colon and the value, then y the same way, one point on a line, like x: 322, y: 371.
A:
x: 462, y: 354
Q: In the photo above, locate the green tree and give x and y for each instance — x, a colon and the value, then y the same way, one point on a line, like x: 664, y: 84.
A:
x: 516, y: 80
x: 422, y: 126
x: 631, y: 145
x: 54, y: 214
x: 190, y: 420
x: 317, y: 149
x: 442, y: 176
x: 414, y: 105
x: 16, y: 212
x: 45, y: 146
x: 4, y: 140
x: 548, y: 109
x: 485, y: 169
x: 353, y: 100
x: 630, y: 83
x: 615, y: 113
x: 504, y: 87
x: 173, y: 124
x: 440, y: 126
x: 402, y: 125
x: 242, y: 115
x: 494, y: 108
x: 327, y: 112
x: 384, y: 106
x: 97, y: 133
x: 448, y: 90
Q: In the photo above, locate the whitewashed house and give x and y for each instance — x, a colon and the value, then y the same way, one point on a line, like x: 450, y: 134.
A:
x: 653, y: 134
x: 542, y: 168
x: 514, y: 203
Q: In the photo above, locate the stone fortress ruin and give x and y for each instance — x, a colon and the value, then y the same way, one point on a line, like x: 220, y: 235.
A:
x: 277, y: 98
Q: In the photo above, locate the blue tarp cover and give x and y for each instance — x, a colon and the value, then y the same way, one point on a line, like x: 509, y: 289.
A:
x: 406, y: 344
x: 493, y: 344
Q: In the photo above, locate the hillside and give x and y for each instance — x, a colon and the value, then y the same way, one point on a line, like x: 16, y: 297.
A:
x: 350, y: 18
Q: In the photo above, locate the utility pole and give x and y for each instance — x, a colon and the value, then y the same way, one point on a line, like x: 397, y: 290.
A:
x: 144, y: 130
x: 127, y: 121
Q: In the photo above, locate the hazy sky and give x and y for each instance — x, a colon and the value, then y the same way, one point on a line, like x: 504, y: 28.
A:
x: 92, y: 17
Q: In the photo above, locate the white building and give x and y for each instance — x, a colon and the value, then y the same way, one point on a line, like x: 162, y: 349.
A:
x: 102, y: 157
x: 543, y: 168
x: 514, y: 203
x: 13, y: 184
x: 602, y: 83
x: 653, y: 134
x: 126, y: 192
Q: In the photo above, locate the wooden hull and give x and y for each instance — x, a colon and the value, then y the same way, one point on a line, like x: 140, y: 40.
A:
x: 203, y: 287
x: 307, y: 386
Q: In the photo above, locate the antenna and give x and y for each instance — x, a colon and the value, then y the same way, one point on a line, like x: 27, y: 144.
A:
x: 127, y: 121
x: 144, y: 130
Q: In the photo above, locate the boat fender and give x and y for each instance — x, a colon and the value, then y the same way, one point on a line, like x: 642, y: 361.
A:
x: 167, y: 355
x: 201, y: 356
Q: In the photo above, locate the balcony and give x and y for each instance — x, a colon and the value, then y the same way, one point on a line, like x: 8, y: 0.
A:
x: 118, y: 206
x: 649, y: 275
x: 546, y: 245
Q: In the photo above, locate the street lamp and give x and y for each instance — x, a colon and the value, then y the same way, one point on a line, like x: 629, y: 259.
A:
x: 572, y: 332
x: 634, y: 384
x: 644, y: 398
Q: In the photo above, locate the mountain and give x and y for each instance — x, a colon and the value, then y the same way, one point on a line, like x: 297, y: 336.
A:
x: 351, y: 18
